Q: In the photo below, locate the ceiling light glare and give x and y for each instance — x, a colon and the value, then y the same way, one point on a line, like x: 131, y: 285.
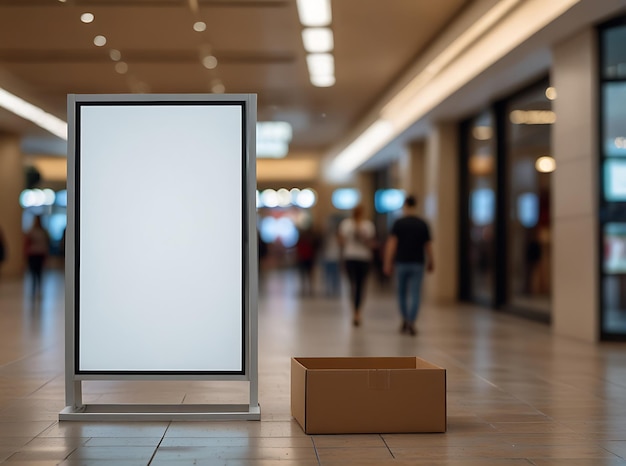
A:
x: 269, y: 198
x: 272, y: 139
x: 482, y: 133
x: 317, y: 40
x: 277, y: 130
x: 209, y: 62
x: 321, y: 69
x: 306, y: 198
x: 551, y: 93
x: 49, y: 196
x: 199, y: 26
x: 115, y: 55
x: 99, y: 41
x: 284, y: 197
x: 87, y: 18
x: 320, y: 64
x: 545, y: 164
x: 121, y: 67
x: 322, y: 81
x: 532, y: 117
x: 294, y: 194
x: 33, y: 113
x: 271, y: 149
x: 314, y: 13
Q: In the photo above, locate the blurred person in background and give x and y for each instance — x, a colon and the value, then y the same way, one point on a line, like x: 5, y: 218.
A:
x: 331, y: 256
x: 357, y: 237
x: 37, y: 246
x: 409, y: 249
x: 306, y: 249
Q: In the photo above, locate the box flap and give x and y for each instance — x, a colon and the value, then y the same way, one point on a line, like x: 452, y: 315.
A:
x: 298, y: 393
x: 359, y: 363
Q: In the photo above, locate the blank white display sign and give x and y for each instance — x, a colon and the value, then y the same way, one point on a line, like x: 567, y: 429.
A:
x: 160, y: 238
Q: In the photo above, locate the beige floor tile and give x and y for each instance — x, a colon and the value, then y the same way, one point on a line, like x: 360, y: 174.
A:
x: 232, y: 462
x: 352, y: 441
x: 235, y: 429
x: 616, y: 447
x: 271, y: 442
x: 355, y: 455
x: 24, y: 428
x: 95, y: 429
x: 113, y: 453
x: 123, y: 442
x: 101, y: 462
x: 579, y: 462
x: 235, y: 453
x: 20, y: 462
x: 12, y: 442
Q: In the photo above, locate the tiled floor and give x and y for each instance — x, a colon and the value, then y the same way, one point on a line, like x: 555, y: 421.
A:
x: 516, y: 394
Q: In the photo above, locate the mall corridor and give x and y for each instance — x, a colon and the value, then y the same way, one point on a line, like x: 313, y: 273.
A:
x: 516, y: 393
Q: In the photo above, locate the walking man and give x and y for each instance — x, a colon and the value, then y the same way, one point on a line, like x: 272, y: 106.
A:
x: 409, y: 249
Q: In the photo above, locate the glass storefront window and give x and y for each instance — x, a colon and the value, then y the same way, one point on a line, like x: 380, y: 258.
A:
x: 614, y: 53
x: 614, y: 267
x: 529, y: 119
x: 613, y: 180
x: 480, y: 241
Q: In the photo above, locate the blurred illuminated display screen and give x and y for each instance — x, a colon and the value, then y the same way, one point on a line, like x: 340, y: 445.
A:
x: 345, y: 198
x: 482, y: 206
x: 615, y: 180
x: 528, y: 209
x: 160, y: 191
x: 388, y: 200
x: 615, y: 248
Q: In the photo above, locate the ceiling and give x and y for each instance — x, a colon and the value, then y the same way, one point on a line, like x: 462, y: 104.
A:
x: 46, y: 52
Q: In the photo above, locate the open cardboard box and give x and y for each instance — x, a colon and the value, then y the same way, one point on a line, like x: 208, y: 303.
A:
x: 368, y: 395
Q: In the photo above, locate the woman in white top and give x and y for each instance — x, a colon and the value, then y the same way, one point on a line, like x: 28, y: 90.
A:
x: 37, y: 246
x: 357, y: 236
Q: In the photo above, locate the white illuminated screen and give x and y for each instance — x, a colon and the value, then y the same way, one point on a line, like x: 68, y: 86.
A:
x: 160, y: 247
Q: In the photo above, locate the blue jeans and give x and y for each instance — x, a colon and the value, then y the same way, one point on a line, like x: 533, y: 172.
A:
x: 409, y: 276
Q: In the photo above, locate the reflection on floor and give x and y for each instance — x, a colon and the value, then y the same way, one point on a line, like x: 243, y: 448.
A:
x: 516, y: 394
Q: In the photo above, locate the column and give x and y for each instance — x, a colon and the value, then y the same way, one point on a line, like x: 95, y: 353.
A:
x: 440, y: 207
x: 11, y: 185
x: 575, y: 293
x: 411, y: 168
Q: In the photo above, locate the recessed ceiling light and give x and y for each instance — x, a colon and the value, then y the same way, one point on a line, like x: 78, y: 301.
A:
x: 87, y: 17
x: 115, y: 55
x: 317, y: 40
x: 314, y: 12
x: 323, y: 81
x: 99, y: 41
x: 551, y: 93
x: 217, y: 87
x: 321, y: 64
x: 199, y: 26
x: 209, y: 62
x: 545, y: 164
x: 121, y: 67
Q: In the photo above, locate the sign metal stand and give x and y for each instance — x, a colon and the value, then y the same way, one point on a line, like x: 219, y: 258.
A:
x: 227, y: 143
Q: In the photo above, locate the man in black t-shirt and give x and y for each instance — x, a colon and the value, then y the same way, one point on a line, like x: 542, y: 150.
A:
x: 409, y: 249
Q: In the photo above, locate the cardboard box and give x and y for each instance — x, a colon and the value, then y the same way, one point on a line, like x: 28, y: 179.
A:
x: 368, y: 395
